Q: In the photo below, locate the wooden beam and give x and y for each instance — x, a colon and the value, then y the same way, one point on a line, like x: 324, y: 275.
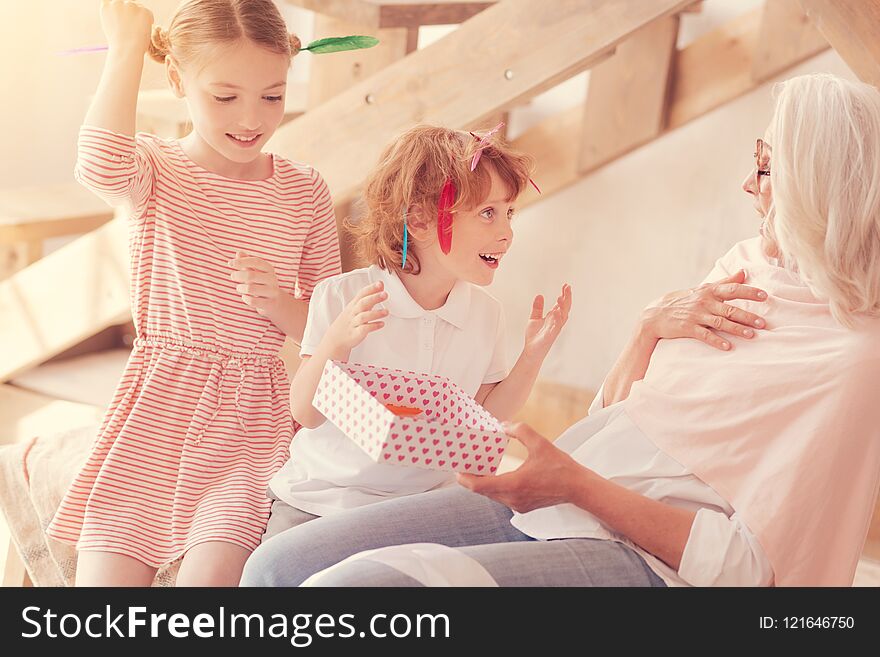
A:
x: 67, y: 296
x: 785, y: 31
x: 628, y: 95
x: 853, y: 29
x: 439, y: 84
x: 29, y: 214
x: 397, y: 13
x: 329, y: 76
x: 713, y: 70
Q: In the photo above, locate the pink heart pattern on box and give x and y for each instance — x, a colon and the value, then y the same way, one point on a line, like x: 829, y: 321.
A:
x: 454, y: 433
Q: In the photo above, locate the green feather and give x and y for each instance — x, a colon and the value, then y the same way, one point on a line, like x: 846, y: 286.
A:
x: 338, y: 44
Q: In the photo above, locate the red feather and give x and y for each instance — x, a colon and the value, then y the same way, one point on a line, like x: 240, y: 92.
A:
x: 444, y: 216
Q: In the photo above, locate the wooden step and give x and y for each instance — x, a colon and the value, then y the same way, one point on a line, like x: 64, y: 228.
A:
x: 89, y: 379
x: 25, y: 414
x: 64, y: 298
x: 31, y: 215
x: 40, y: 212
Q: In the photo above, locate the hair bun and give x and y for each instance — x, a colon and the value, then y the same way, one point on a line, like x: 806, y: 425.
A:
x: 159, y: 46
x: 295, y: 45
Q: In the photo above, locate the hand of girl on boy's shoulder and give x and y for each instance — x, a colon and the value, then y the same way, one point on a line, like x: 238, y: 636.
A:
x: 126, y: 24
x: 358, y: 319
x: 256, y: 283
x: 542, y: 330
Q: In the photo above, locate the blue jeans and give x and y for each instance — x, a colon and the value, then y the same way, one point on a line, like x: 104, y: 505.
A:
x: 454, y: 517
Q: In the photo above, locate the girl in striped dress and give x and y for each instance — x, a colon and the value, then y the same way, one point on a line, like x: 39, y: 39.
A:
x: 226, y: 245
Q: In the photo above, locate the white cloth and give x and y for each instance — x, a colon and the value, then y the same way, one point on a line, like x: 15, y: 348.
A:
x: 720, y: 551
x: 462, y: 340
x: 430, y: 564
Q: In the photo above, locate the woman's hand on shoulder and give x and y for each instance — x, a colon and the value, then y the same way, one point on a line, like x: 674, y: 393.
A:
x: 126, y: 25
x: 702, y: 313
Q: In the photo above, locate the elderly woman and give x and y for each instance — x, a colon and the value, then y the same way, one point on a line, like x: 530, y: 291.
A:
x: 755, y: 463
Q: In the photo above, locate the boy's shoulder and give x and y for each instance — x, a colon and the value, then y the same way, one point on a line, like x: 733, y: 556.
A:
x: 345, y: 284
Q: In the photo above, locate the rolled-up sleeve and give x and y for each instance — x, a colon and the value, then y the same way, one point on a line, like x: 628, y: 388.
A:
x: 115, y: 167
x: 721, y: 551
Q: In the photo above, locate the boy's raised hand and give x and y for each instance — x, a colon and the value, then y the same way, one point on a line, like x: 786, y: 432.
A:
x: 542, y: 330
x: 257, y: 282
x: 358, y: 319
x: 126, y: 24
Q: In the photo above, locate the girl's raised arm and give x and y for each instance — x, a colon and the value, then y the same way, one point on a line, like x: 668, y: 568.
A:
x: 127, y: 26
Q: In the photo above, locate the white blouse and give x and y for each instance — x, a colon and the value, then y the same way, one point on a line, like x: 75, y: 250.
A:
x: 720, y: 550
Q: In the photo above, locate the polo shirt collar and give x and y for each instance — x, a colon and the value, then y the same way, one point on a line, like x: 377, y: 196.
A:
x: 401, y: 304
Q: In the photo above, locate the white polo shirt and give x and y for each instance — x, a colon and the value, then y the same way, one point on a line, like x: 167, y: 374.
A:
x: 463, y: 340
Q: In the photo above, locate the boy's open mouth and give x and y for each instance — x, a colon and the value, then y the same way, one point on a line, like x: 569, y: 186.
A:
x: 491, y: 259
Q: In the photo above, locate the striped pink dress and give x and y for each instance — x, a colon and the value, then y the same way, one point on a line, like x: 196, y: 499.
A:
x: 201, y: 420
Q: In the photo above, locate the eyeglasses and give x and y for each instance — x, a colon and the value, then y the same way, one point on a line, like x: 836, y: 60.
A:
x: 762, y: 161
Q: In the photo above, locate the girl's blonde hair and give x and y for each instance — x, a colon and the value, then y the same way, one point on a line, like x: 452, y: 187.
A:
x: 410, y: 175
x: 825, y: 177
x: 200, y: 25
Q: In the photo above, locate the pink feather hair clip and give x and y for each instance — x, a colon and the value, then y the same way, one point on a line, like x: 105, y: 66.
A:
x: 444, y: 215
x: 484, y: 141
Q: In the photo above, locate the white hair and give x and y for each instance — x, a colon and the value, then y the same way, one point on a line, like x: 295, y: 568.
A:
x: 825, y: 177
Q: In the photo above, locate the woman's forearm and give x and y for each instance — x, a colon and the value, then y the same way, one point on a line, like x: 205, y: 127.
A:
x: 658, y: 528
x: 630, y: 367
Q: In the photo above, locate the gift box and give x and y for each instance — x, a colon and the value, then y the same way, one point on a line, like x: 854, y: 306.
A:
x: 410, y: 419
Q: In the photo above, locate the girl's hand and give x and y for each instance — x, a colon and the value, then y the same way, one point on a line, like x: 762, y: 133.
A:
x: 257, y: 283
x: 545, y: 478
x: 126, y: 24
x: 700, y: 312
x: 542, y: 330
x: 358, y: 319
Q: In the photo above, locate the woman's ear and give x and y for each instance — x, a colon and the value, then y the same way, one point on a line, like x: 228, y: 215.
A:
x: 174, y: 79
x: 418, y: 226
